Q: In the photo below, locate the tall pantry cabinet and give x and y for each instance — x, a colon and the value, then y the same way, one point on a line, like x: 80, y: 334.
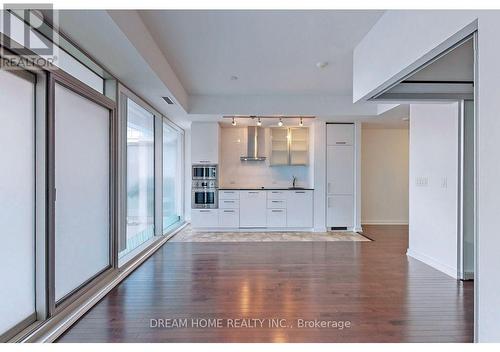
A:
x: 340, y: 178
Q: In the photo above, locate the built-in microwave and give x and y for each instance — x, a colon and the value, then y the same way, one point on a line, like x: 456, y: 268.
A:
x: 204, y: 198
x: 204, y: 172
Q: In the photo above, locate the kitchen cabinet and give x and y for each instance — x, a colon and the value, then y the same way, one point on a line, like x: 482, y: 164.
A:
x: 340, y: 172
x: 205, y: 142
x: 229, y: 203
x: 279, y: 146
x: 340, y: 211
x: 253, y: 208
x: 340, y: 134
x: 340, y: 175
x: 229, y: 218
x: 229, y: 194
x: 289, y: 146
x: 276, y: 217
x: 299, y: 208
x: 205, y: 218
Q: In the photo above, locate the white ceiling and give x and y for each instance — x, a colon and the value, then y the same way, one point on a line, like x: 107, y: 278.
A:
x: 271, y: 52
x: 190, y: 56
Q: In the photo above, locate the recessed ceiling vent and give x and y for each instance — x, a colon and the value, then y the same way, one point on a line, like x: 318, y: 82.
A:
x: 168, y: 100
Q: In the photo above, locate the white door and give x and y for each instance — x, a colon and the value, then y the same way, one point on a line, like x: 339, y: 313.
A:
x: 340, y: 170
x: 340, y: 211
x: 253, y: 210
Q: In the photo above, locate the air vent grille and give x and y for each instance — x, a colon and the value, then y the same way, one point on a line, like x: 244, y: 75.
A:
x: 168, y: 100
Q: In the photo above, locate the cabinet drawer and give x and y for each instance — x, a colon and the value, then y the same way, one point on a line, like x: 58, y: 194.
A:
x: 229, y: 194
x: 340, y: 134
x: 204, y: 217
x: 229, y: 203
x: 276, y: 217
x: 276, y: 194
x: 276, y: 204
x: 229, y: 218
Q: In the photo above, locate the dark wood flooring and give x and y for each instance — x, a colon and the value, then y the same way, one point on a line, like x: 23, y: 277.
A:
x: 386, y: 296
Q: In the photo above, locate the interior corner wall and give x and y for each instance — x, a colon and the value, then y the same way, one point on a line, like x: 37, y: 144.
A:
x: 433, y: 187
x: 384, y: 184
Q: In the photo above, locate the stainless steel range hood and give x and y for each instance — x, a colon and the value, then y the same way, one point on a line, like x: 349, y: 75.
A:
x: 255, y: 144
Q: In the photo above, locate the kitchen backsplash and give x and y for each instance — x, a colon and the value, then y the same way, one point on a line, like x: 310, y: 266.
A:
x: 235, y: 173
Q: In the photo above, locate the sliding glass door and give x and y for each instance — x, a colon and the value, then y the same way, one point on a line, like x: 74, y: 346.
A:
x: 140, y: 176
x: 82, y: 183
x: 172, y: 175
x: 17, y: 201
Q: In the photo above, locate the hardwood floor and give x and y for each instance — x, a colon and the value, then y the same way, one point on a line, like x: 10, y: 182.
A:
x: 386, y: 296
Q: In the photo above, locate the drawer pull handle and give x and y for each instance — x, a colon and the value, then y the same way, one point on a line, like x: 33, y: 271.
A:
x: 277, y: 201
x: 229, y: 201
x: 253, y: 192
x: 341, y: 143
x: 300, y: 192
x: 228, y: 192
x: 205, y: 211
x: 277, y: 211
x: 228, y: 211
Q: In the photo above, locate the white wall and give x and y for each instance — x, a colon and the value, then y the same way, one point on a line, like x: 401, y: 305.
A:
x: 384, y: 179
x: 434, y: 185
x: 235, y: 173
x: 413, y: 37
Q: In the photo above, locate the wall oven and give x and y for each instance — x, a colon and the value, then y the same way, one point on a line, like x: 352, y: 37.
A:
x: 204, y: 198
x: 204, y: 172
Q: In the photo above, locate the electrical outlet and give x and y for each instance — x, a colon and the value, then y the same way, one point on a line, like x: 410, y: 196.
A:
x: 421, y: 181
x: 444, y: 182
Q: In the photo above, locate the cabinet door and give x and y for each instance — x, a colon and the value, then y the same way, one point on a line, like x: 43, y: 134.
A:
x: 299, y: 146
x: 276, y: 217
x: 299, y: 206
x: 229, y: 218
x: 253, y: 208
x: 340, y: 169
x: 226, y: 194
x: 205, y: 143
x: 340, y: 134
x: 204, y: 218
x: 340, y: 211
x: 279, y: 146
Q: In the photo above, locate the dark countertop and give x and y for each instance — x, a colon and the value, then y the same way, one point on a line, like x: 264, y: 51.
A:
x: 263, y: 189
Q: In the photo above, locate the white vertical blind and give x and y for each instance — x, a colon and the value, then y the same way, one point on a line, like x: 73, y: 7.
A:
x: 82, y: 184
x: 17, y: 180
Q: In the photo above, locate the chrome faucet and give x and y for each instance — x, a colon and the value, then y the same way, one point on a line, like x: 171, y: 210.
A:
x: 294, y: 180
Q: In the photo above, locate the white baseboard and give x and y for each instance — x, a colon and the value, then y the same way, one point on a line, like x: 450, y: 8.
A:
x: 384, y: 222
x: 448, y: 270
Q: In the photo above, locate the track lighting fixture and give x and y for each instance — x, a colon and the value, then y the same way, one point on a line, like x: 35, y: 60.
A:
x: 233, y: 122
x: 301, y: 123
x: 259, y: 122
x: 280, y: 123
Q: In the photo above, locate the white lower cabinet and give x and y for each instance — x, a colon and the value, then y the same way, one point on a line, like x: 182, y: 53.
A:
x: 253, y: 209
x: 299, y: 207
x: 276, y: 217
x: 205, y: 218
x: 229, y: 218
x: 340, y: 211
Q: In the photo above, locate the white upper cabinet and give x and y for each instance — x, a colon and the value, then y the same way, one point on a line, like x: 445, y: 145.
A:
x: 299, y: 208
x: 205, y: 142
x: 340, y: 134
x: 340, y: 173
x: 289, y: 146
